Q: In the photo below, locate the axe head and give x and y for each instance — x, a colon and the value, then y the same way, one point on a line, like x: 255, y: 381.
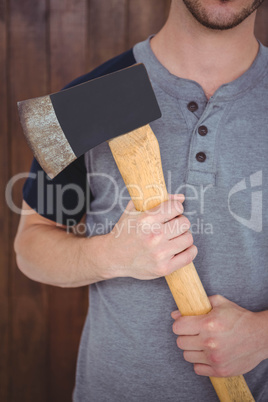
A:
x: 63, y: 126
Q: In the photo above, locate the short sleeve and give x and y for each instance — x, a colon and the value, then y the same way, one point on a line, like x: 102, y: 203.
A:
x: 62, y: 199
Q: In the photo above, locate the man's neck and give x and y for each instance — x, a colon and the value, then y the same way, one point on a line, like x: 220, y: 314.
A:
x: 211, y: 58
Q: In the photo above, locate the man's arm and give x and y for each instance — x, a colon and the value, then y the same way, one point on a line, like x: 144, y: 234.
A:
x: 47, y: 253
x: 143, y: 245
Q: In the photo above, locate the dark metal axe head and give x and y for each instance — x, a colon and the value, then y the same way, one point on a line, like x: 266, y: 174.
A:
x: 63, y: 126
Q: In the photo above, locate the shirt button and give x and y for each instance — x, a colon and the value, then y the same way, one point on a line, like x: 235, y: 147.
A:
x: 192, y: 106
x: 201, y: 157
x: 202, y: 130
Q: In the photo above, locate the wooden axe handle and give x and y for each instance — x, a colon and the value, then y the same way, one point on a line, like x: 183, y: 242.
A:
x: 137, y: 156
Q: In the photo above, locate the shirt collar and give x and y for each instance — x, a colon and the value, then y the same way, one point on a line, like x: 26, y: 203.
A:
x: 182, y: 88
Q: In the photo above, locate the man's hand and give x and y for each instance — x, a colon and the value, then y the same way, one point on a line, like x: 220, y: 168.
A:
x: 227, y: 341
x: 151, y: 244
x: 142, y: 245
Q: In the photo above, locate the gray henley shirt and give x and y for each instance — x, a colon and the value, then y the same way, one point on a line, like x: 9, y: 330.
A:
x: 128, y: 351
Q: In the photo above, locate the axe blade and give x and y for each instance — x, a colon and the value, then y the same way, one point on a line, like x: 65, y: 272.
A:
x: 63, y: 126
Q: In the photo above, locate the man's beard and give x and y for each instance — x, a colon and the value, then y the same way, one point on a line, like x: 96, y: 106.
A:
x: 200, y: 14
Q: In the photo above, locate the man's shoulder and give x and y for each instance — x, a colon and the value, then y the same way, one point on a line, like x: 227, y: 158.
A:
x: 119, y: 62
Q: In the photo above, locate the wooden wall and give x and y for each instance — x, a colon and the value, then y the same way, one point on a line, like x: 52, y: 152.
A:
x: 43, y: 45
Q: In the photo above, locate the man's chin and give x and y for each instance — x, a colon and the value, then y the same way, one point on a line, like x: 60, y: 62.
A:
x: 221, y: 14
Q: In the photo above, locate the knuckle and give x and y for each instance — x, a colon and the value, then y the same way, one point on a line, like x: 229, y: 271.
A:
x: 210, y: 344
x: 149, y: 231
x: 144, y: 220
x: 216, y: 358
x: 211, y: 324
x: 153, y: 240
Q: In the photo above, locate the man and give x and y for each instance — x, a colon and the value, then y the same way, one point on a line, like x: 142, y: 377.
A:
x: 209, y: 74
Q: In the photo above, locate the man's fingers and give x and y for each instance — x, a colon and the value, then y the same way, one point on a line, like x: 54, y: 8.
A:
x: 204, y: 370
x: 182, y: 259
x: 190, y: 325
x: 180, y: 197
x: 166, y: 211
x: 180, y: 243
x: 175, y: 314
x: 176, y: 227
x: 190, y: 343
x: 195, y: 357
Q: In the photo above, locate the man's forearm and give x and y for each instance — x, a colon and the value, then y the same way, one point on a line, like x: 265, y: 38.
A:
x: 50, y: 255
x: 143, y: 246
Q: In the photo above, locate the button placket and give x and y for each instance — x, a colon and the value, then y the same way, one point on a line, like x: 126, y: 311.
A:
x: 201, y: 164
x: 192, y: 116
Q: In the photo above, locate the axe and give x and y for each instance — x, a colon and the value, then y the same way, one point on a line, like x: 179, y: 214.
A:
x: 118, y: 108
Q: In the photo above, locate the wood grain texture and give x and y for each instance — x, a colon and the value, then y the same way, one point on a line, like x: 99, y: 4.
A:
x: 67, y: 307
x: 145, y: 18
x: 188, y: 291
x: 68, y: 41
x: 138, y: 159
x: 106, y: 30
x: 29, y: 325
x: 261, y: 26
x: 232, y: 389
x: 5, y: 246
x: 141, y: 173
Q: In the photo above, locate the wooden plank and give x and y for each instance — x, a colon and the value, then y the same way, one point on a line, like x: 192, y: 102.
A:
x: 67, y: 307
x: 145, y: 18
x: 27, y: 77
x: 68, y: 41
x: 261, y: 27
x: 107, y: 30
x: 4, y: 211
